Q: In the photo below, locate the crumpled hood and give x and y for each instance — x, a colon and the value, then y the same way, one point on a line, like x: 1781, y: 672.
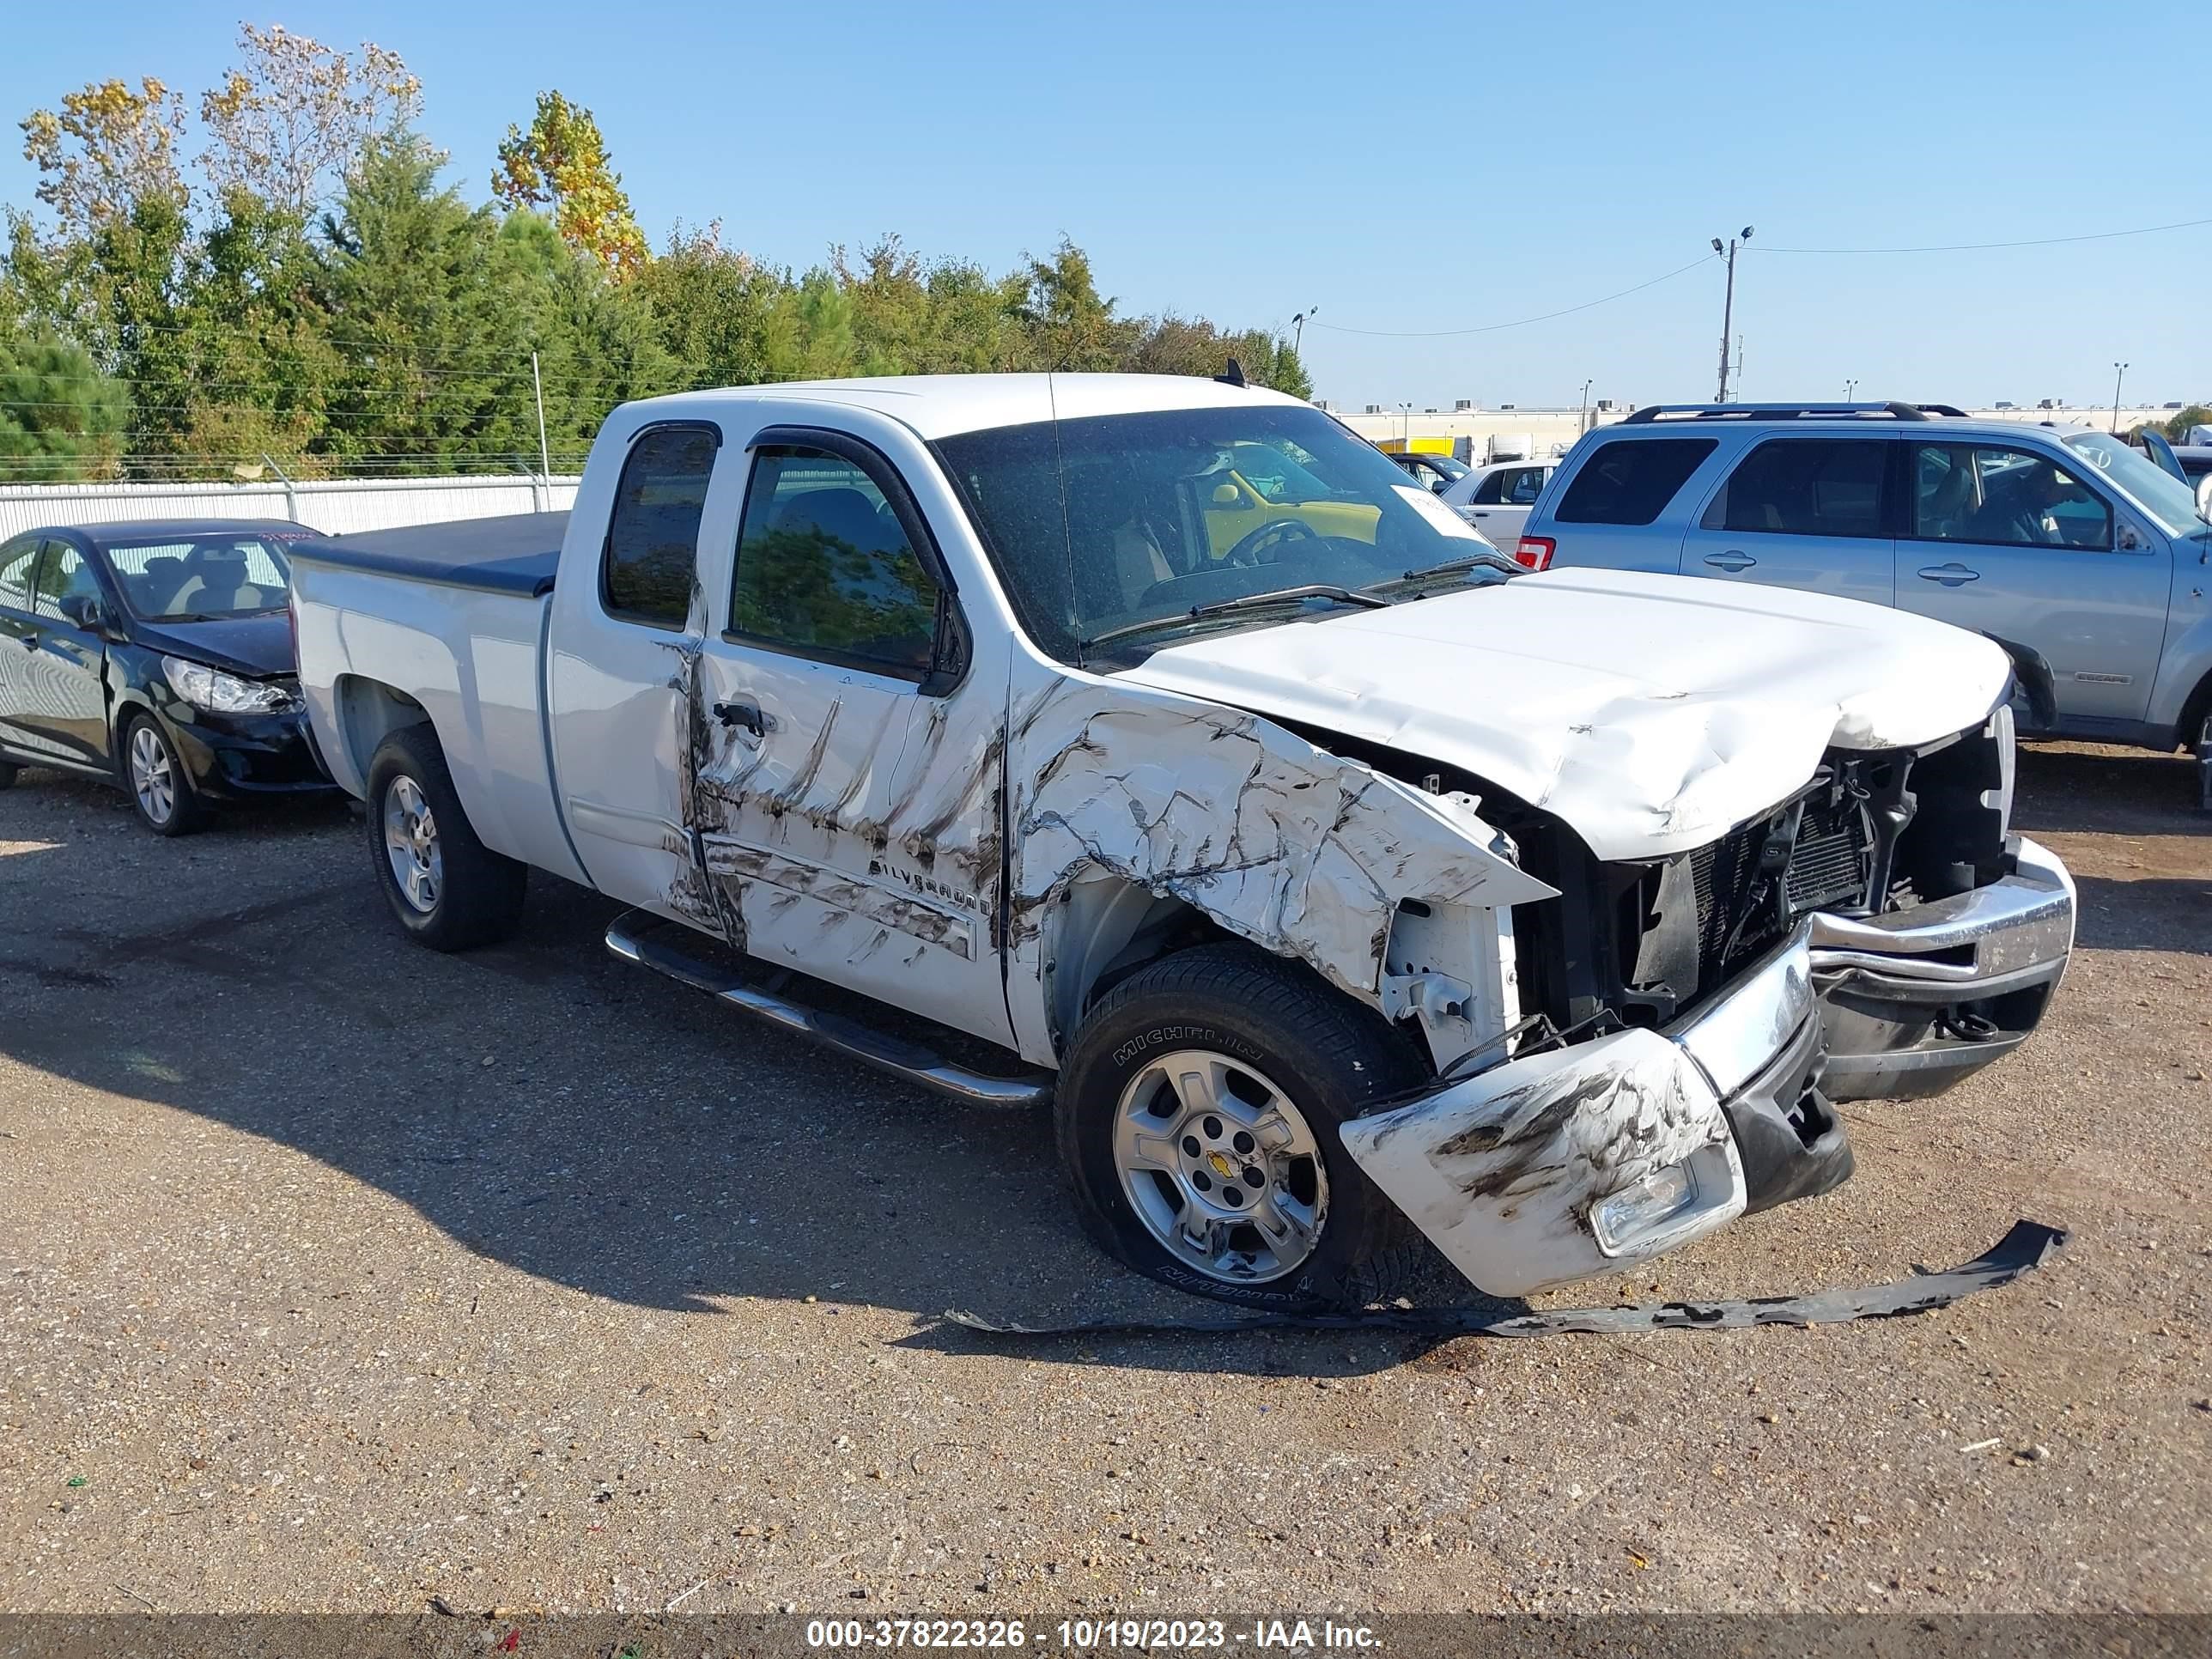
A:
x: 1653, y: 714
x: 259, y: 646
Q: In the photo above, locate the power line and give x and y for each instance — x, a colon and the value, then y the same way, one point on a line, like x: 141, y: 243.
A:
x: 1975, y: 247
x: 1492, y: 328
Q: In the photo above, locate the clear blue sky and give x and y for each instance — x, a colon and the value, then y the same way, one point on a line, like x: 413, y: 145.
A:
x: 1400, y: 168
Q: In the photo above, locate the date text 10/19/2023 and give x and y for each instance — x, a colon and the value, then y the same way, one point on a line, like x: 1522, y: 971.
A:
x: 1091, y: 1635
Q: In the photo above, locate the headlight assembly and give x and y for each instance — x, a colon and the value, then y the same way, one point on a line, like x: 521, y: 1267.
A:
x: 218, y: 693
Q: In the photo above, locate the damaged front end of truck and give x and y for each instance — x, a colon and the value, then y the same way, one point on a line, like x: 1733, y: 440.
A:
x: 1687, y: 1023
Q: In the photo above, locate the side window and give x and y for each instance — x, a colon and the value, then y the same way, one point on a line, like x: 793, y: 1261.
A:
x: 1805, y: 487
x: 2010, y: 497
x: 1490, y: 492
x: 1630, y: 480
x: 17, y: 560
x: 652, y: 554
x: 824, y: 568
x: 63, y: 573
x: 1523, y: 487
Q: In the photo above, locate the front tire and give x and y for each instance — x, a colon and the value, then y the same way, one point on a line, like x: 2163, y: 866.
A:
x: 155, y: 777
x: 1197, y: 1116
x: 447, y: 889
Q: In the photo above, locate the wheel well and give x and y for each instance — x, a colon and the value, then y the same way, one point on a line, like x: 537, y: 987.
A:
x: 1103, y: 929
x: 370, y: 711
x: 2193, y: 713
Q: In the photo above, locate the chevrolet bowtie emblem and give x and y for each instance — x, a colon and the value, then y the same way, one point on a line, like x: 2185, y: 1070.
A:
x: 1222, y: 1166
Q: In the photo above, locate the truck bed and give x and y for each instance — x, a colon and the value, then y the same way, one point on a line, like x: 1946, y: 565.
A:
x: 518, y: 554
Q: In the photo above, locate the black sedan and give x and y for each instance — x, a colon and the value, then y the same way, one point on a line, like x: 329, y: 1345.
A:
x: 158, y: 654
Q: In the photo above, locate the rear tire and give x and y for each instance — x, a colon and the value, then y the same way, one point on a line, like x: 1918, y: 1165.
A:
x: 446, y: 888
x: 1254, y: 1062
x: 154, y: 778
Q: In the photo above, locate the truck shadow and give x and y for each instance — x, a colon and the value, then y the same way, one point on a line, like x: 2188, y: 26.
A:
x: 2135, y: 813
x: 549, y: 1108
x: 2083, y: 788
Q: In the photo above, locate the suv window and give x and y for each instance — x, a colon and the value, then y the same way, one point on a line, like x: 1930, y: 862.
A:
x: 2008, y: 497
x: 1630, y: 480
x: 652, y: 554
x: 825, y: 569
x: 1805, y: 487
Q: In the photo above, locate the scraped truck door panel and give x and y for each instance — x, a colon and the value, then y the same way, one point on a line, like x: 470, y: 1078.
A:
x: 847, y: 787
x: 625, y: 624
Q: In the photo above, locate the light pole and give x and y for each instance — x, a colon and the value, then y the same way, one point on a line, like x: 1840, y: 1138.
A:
x: 1851, y: 390
x: 2120, y: 373
x: 1728, y: 306
x: 1406, y: 431
x: 1298, y: 328
x: 1581, y: 424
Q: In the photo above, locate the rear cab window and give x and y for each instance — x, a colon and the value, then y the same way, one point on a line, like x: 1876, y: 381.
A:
x: 651, y: 558
x: 1629, y: 480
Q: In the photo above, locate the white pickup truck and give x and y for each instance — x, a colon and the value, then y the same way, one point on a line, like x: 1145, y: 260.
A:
x: 1338, y: 883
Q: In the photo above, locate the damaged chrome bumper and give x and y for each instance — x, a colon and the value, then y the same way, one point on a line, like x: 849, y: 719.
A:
x: 1558, y: 1165
x: 1916, y: 999
x: 1549, y: 1168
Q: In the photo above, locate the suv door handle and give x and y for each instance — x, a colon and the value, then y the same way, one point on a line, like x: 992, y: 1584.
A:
x: 1730, y: 560
x: 746, y: 714
x: 1951, y: 574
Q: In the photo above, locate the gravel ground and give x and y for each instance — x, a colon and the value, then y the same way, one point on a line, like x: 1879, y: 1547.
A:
x: 343, y: 1276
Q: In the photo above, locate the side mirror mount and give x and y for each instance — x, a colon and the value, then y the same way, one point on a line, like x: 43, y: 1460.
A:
x: 2205, y: 497
x: 83, y: 610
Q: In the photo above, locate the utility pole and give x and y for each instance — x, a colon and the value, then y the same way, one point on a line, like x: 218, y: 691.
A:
x: 2120, y: 373
x: 537, y: 389
x: 1298, y: 328
x: 1728, y: 306
x: 1581, y: 424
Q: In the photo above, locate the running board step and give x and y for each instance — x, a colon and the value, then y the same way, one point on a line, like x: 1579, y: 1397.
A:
x: 653, y: 942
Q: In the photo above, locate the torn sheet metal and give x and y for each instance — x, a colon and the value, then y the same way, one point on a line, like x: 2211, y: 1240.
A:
x: 1506, y: 1171
x: 2029, y: 1245
x: 1300, y: 851
x: 1733, y: 693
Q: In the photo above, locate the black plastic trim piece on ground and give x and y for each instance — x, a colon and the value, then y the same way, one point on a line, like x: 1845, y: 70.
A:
x: 2028, y: 1246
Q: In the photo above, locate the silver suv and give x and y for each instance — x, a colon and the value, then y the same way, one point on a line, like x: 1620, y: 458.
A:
x: 2079, y: 556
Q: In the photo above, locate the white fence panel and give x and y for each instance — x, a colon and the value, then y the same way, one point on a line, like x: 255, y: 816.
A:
x: 335, y: 506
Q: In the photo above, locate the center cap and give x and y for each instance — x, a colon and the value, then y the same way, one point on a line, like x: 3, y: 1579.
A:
x: 1222, y: 1166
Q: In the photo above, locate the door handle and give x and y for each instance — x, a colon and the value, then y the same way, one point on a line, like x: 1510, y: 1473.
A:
x: 745, y: 714
x: 1951, y: 575
x: 1730, y: 561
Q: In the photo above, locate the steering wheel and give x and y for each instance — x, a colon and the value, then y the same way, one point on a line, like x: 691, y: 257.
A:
x: 1247, y: 551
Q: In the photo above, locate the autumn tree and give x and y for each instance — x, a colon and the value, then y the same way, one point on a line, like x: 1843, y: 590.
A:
x: 108, y: 149
x: 288, y: 124
x: 561, y: 163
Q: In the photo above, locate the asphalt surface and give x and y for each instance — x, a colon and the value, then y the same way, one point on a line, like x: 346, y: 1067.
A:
x: 341, y: 1275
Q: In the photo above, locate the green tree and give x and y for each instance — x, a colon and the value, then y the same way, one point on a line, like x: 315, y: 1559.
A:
x: 2195, y: 415
x: 561, y: 162
x: 1072, y: 326
x: 60, y: 418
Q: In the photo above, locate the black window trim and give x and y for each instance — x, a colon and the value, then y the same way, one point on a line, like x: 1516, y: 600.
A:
x: 1908, y: 528
x: 1888, y: 512
x: 607, y: 607
x: 952, y: 650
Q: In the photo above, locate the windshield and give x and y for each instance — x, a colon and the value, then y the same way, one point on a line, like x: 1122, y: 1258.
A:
x: 200, y: 578
x: 2157, y: 491
x: 1100, y: 524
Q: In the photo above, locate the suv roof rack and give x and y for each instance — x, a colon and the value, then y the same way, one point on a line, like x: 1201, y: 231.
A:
x: 1895, y: 411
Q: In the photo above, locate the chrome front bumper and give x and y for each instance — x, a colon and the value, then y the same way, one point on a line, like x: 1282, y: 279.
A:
x: 1916, y: 999
x: 1557, y: 1165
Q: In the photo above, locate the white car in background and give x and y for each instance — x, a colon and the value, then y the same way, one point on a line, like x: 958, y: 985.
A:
x: 1496, y: 499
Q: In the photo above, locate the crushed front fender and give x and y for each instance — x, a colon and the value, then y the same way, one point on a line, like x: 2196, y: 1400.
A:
x: 1555, y: 1166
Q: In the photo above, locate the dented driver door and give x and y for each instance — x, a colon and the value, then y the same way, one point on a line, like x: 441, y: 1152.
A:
x: 847, y: 766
